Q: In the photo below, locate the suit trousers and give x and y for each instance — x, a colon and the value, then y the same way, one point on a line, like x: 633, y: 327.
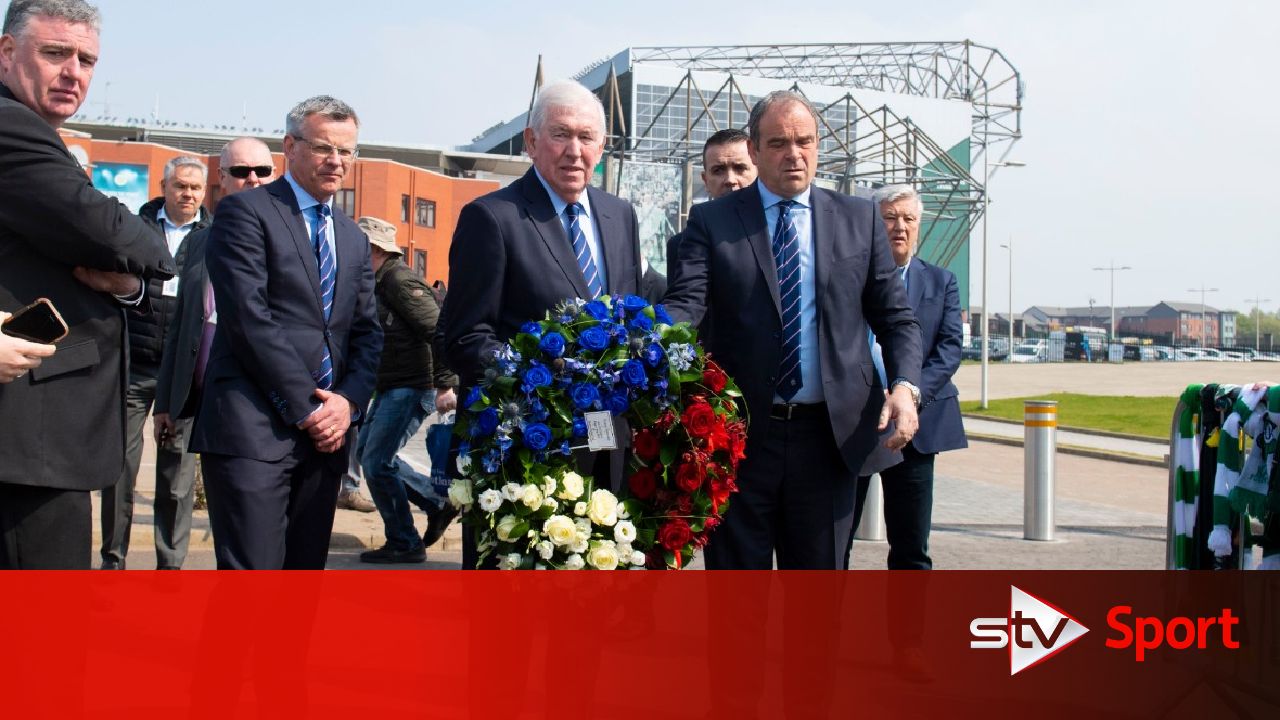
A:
x: 908, y: 508
x: 795, y: 500
x: 175, y: 481
x: 45, y: 528
x: 273, y: 515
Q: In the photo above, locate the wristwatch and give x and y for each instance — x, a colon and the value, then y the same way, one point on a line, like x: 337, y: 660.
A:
x: 915, y: 391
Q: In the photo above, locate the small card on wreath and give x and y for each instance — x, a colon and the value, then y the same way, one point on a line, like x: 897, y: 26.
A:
x: 600, y: 435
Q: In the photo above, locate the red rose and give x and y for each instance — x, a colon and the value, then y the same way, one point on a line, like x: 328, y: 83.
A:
x: 698, y: 419
x: 714, y: 378
x: 689, y: 476
x: 646, y: 445
x: 675, y: 535
x: 643, y: 483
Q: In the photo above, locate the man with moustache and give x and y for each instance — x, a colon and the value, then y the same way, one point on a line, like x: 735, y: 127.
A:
x: 63, y: 240
x: 176, y: 213
x: 244, y: 164
x: 295, y: 352
x: 519, y: 251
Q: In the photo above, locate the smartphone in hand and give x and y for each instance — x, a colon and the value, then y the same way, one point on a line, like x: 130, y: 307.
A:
x: 38, y: 322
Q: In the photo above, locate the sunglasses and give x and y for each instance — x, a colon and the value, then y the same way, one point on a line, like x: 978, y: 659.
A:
x: 241, y: 172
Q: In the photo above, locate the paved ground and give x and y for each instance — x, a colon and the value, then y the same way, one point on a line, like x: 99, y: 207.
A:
x: 1015, y: 431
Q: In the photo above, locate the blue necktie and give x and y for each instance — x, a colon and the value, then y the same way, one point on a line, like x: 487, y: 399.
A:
x: 580, y: 250
x: 786, y: 254
x: 328, y: 275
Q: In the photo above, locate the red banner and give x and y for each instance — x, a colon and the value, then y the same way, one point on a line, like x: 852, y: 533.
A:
x: 640, y: 644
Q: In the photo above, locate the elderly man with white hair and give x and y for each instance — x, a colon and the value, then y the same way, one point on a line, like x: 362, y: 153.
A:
x: 548, y: 236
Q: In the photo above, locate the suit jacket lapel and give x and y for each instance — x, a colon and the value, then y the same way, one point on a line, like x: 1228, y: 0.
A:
x: 612, y: 230
x: 823, y: 240
x: 551, y: 229
x: 291, y: 215
x: 916, y: 278
x: 751, y: 212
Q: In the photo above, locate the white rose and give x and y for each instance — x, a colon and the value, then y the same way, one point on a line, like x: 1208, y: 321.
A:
x: 603, y: 555
x: 506, y: 528
x: 490, y: 500
x: 572, y: 486
x: 549, y: 503
x: 624, y: 532
x: 603, y: 508
x: 531, y: 497
x: 460, y: 493
x: 580, y: 509
x: 512, y: 491
x: 579, y: 544
x: 574, y: 562
x: 510, y: 562
x: 545, y: 549
x: 560, y: 530
x: 637, y: 558
x: 548, y: 485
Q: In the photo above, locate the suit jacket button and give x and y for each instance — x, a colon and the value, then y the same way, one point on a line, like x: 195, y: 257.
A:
x: 326, y: 334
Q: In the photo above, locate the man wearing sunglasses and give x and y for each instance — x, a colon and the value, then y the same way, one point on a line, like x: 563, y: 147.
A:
x: 244, y: 164
x: 295, y: 354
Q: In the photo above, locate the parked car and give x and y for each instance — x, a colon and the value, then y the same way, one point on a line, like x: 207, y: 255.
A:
x: 997, y: 350
x: 1030, y: 353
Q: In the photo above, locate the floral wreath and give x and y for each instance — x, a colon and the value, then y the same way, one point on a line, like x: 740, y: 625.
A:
x: 519, y: 486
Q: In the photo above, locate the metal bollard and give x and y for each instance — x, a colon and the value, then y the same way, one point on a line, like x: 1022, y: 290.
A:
x: 1040, y: 423
x: 871, y: 526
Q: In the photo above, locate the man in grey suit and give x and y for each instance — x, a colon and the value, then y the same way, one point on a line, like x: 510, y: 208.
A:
x: 546, y: 237
x: 791, y: 276
x: 244, y: 164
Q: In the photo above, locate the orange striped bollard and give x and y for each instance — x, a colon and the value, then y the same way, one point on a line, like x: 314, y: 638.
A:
x: 1040, y: 447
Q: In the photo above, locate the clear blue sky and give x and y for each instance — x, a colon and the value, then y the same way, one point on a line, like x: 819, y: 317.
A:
x: 1149, y: 126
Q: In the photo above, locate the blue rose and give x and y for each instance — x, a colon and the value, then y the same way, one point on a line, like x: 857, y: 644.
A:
x: 653, y: 355
x: 617, y: 403
x: 584, y: 395
x: 532, y: 328
x: 487, y: 421
x: 537, y: 435
x: 552, y: 344
x: 537, y: 376
x: 594, y: 339
x: 660, y: 313
x: 641, y: 323
x: 633, y: 374
x: 634, y: 303
x: 597, y: 310
x: 579, y: 426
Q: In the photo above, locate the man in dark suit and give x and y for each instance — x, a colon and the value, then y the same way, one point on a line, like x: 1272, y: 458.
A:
x: 245, y: 163
x: 791, y: 275
x: 295, y: 352
x: 63, y: 421
x: 546, y: 237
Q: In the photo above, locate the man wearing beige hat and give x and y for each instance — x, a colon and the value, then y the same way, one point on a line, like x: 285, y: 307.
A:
x: 404, y: 396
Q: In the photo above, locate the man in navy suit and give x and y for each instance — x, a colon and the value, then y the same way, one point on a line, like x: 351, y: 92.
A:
x: 791, y: 275
x: 521, y: 250
x: 295, y: 353
x: 935, y: 297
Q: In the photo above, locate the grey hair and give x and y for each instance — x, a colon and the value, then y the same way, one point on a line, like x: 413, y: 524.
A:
x: 224, y: 157
x: 894, y: 193
x: 182, y: 161
x: 77, y: 12
x: 325, y: 105
x: 564, y: 94
x: 777, y: 97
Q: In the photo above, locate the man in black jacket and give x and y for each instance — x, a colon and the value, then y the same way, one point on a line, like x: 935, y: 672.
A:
x: 408, y: 313
x: 175, y: 214
x: 61, y: 239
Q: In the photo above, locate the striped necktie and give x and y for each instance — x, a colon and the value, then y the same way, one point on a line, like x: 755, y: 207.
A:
x: 580, y: 250
x: 328, y: 275
x: 786, y: 254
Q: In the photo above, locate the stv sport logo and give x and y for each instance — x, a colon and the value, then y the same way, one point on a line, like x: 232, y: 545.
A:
x: 1034, y: 631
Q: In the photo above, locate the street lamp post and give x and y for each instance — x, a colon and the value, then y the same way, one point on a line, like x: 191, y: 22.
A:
x: 1111, y: 331
x: 986, y: 305
x: 1009, y: 247
x: 1204, y: 327
x: 1257, y: 322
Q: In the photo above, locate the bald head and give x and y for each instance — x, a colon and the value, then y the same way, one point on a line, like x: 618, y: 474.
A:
x: 240, y: 163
